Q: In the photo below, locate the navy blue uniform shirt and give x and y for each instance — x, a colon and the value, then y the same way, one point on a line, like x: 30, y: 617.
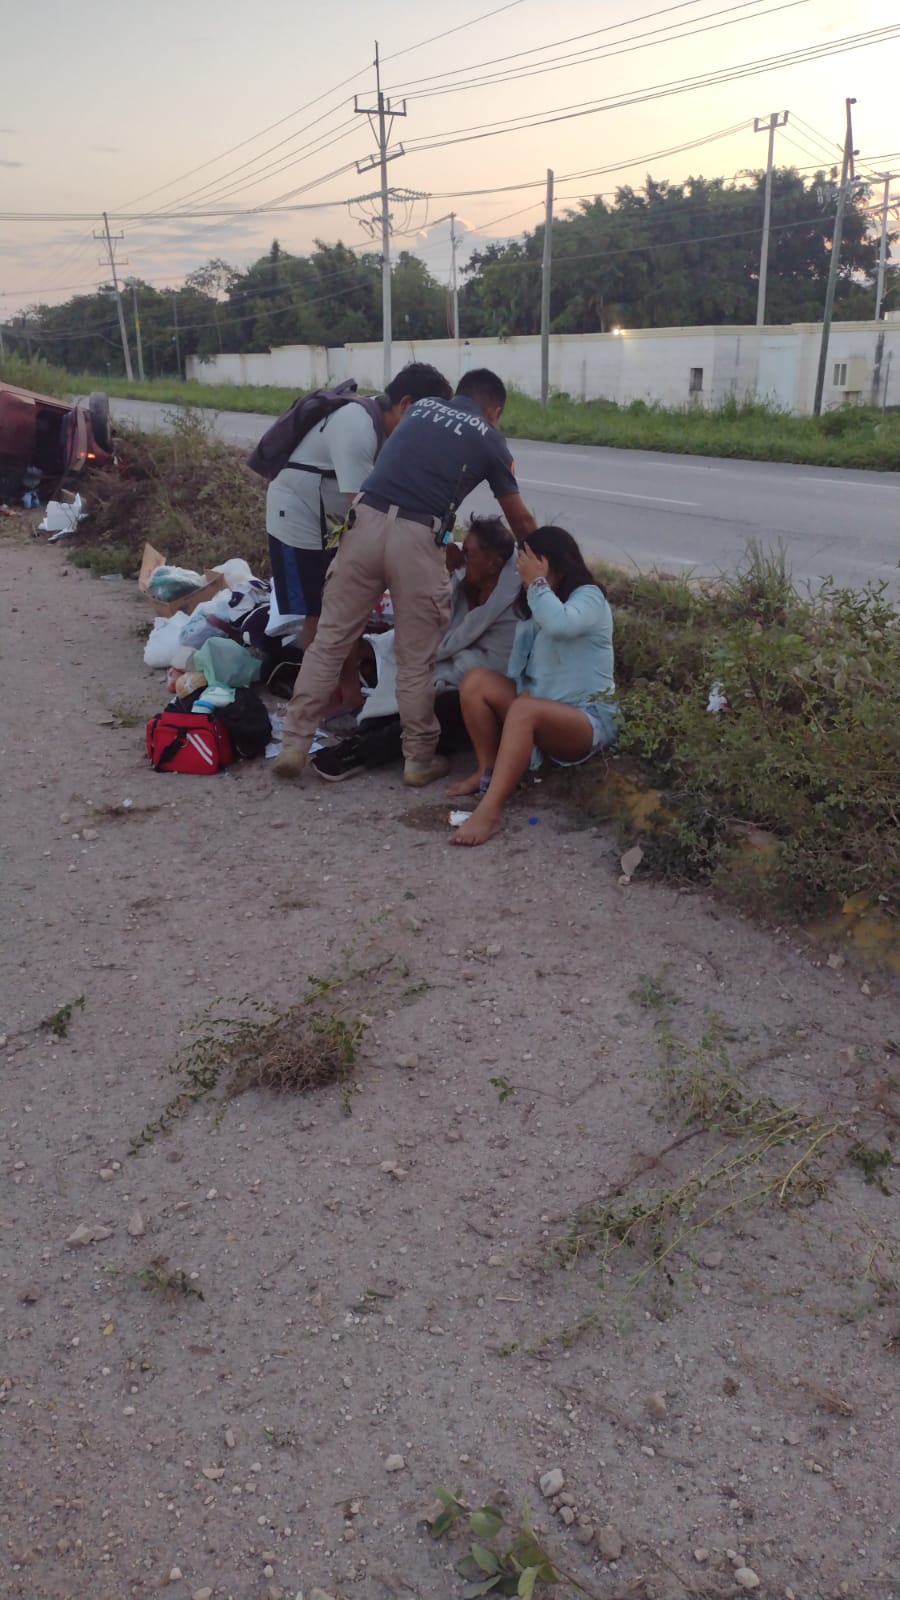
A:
x: 438, y: 454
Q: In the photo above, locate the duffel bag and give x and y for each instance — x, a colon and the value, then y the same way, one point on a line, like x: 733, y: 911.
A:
x: 188, y: 741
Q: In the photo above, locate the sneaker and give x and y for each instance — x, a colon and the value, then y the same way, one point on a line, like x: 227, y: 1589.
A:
x: 338, y: 762
x: 290, y: 764
x: 416, y: 774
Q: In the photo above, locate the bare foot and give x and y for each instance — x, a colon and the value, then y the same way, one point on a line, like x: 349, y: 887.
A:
x: 481, y: 826
x: 470, y: 785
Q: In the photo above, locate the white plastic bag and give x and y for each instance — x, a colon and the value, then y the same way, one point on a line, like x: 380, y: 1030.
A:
x: 165, y: 639
x: 236, y: 573
x: 60, y: 519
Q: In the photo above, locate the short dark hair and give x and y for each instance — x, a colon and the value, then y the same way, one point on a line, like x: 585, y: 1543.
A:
x: 567, y: 565
x: 493, y: 535
x: 419, y: 381
x: 482, y: 384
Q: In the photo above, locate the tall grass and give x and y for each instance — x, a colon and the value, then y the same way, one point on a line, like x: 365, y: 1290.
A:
x: 808, y: 749
x: 37, y: 374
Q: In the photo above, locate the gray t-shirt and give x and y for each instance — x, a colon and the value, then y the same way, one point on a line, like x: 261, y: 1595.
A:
x: 344, y: 443
x: 438, y: 454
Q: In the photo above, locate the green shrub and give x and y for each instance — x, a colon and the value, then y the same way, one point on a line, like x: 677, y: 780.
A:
x: 809, y: 746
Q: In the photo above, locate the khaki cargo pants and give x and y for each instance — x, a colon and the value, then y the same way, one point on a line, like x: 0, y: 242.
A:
x: 380, y: 551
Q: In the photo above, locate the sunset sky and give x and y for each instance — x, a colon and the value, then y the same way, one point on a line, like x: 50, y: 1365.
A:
x: 139, y: 95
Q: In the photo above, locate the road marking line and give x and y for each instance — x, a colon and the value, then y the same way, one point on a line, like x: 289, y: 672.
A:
x: 850, y: 483
x: 613, y: 494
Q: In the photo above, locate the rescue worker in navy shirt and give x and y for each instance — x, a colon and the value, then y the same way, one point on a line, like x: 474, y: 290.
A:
x: 395, y: 539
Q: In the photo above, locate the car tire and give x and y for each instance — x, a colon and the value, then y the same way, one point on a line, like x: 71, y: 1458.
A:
x: 101, y: 426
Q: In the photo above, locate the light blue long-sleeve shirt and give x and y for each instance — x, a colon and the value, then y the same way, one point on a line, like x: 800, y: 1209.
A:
x: 564, y: 651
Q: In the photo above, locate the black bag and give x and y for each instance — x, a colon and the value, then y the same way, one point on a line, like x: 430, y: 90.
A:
x: 247, y: 722
x: 280, y: 671
x: 279, y: 442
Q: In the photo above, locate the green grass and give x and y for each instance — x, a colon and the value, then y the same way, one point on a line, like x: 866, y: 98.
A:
x: 38, y: 374
x: 807, y: 751
x: 852, y: 436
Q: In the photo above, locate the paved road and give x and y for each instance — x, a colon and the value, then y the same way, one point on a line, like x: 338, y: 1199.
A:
x: 679, y: 512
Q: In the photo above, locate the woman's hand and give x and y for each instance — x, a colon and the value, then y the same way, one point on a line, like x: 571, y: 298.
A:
x: 531, y: 566
x: 454, y: 556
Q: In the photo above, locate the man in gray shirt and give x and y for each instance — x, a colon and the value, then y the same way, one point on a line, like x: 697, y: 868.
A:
x: 312, y: 493
x: 397, y: 530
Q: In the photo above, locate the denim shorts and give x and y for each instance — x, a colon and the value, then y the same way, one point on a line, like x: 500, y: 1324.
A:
x: 605, y: 720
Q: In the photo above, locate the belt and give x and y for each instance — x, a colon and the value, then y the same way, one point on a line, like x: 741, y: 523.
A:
x: 378, y: 503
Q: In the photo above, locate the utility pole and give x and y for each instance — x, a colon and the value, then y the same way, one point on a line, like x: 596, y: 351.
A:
x: 545, y: 291
x: 383, y: 113
x: 133, y: 285
x: 112, y: 267
x: 834, y: 263
x: 886, y: 178
x: 759, y: 125
x: 454, y: 283
x: 176, y: 337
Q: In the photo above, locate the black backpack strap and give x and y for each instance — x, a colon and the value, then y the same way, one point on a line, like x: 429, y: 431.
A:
x: 172, y: 749
x: 321, y: 472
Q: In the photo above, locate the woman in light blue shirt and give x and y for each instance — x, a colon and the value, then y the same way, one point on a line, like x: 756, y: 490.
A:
x: 558, y: 697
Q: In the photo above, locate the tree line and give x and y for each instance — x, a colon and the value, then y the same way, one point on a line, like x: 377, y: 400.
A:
x: 665, y: 255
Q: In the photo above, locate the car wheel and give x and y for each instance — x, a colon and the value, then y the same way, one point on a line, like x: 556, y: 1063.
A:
x: 101, y: 426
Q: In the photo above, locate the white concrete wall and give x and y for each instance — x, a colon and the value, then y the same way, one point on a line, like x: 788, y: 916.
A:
x: 651, y: 364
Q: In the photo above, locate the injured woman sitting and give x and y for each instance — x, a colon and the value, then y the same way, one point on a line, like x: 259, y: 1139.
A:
x: 485, y: 587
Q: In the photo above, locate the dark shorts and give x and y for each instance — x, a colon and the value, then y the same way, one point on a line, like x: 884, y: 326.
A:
x: 298, y: 576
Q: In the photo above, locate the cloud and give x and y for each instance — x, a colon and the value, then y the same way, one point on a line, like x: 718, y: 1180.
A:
x: 107, y: 149
x: 9, y: 130
x: 12, y: 163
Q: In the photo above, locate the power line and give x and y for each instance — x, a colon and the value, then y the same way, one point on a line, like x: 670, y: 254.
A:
x: 326, y: 95
x: 396, y: 54
x: 574, y: 38
x: 662, y: 91
x: 623, y: 47
x: 590, y: 172
x: 242, y: 144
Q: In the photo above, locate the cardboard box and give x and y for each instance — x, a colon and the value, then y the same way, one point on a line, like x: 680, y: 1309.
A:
x: 187, y: 602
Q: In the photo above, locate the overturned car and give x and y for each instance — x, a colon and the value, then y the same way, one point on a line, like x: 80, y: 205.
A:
x: 44, y: 440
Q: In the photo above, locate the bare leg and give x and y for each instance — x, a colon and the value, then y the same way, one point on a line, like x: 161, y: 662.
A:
x: 559, y: 730
x: 485, y: 698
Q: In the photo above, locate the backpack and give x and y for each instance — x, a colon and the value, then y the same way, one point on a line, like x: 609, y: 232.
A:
x: 279, y: 442
x: 247, y: 723
x: 188, y: 741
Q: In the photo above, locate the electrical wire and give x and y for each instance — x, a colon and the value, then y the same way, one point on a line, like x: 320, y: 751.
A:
x: 623, y: 47
x: 574, y: 38
x: 591, y: 255
x: 242, y: 144
x: 662, y: 91
x: 396, y: 54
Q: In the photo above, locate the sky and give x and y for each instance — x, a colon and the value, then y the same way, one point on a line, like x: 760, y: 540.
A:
x: 158, y: 109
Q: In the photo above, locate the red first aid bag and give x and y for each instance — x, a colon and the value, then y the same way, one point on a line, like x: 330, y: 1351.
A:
x: 188, y: 741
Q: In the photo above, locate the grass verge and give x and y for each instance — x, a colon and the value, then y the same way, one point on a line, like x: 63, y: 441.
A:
x: 803, y: 761
x: 849, y: 436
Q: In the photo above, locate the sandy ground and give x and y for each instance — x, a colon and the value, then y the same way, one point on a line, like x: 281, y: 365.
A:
x: 729, y: 1411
